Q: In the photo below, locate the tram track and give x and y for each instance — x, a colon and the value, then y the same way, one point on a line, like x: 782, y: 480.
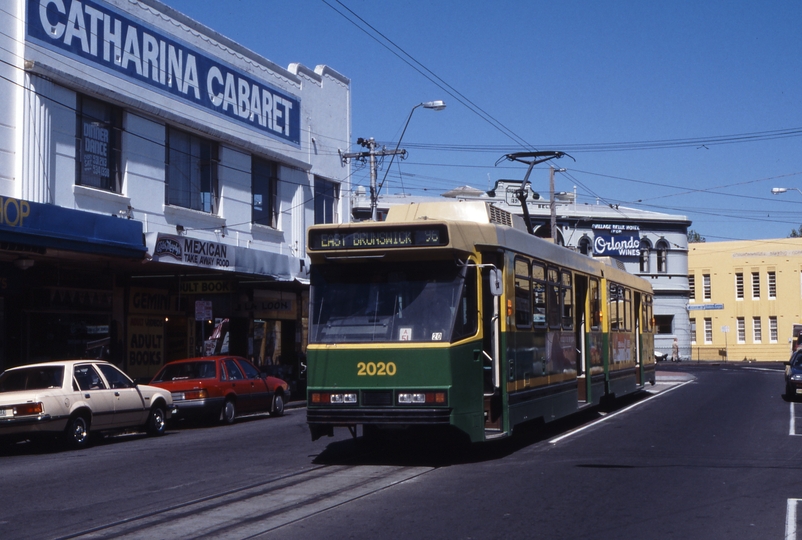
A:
x: 258, y: 508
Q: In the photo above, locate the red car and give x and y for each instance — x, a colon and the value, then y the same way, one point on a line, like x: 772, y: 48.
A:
x: 221, y: 387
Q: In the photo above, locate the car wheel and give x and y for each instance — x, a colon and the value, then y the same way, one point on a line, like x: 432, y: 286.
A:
x: 789, y: 391
x: 228, y: 412
x: 76, y: 434
x: 278, y: 405
x: 157, y: 423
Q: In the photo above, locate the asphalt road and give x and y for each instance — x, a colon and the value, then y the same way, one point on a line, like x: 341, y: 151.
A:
x: 710, y: 452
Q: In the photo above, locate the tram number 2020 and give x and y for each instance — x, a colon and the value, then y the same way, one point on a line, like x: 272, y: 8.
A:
x: 376, y: 369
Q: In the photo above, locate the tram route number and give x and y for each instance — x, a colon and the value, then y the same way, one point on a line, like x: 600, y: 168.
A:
x: 376, y: 369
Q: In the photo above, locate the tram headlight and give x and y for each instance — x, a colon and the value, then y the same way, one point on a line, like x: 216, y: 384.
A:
x: 333, y: 398
x: 428, y: 397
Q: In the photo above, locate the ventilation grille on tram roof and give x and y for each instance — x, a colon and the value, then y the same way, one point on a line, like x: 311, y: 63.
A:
x: 502, y: 217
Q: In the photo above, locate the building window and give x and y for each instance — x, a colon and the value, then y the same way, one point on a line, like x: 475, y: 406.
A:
x: 756, y: 333
x: 706, y: 286
x: 773, y: 329
x: 664, y: 324
x: 739, y: 286
x: 191, y: 171
x: 584, y: 246
x: 662, y: 257
x: 645, y: 253
x: 692, y: 287
x: 708, y: 331
x: 327, y: 196
x: 264, y: 186
x: 98, y: 141
x: 693, y: 331
x: 741, y: 329
x: 755, y: 285
x: 772, y: 276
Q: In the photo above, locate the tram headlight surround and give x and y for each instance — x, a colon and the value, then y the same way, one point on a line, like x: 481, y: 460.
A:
x: 333, y: 398
x: 422, y: 397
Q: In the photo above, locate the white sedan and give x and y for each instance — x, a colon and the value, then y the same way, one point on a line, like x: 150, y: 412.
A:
x: 74, y: 398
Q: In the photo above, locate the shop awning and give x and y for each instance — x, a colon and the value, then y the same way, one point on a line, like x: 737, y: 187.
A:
x: 49, y: 226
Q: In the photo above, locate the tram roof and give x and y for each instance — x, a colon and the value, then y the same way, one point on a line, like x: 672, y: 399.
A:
x: 480, y: 224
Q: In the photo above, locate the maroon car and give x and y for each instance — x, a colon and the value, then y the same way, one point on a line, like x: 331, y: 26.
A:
x: 221, y: 388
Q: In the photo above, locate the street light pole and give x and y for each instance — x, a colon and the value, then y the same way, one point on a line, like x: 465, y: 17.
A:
x: 437, y: 105
x: 552, y: 205
x: 371, y: 153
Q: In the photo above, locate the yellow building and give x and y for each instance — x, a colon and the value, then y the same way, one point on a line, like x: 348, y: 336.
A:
x: 745, y: 298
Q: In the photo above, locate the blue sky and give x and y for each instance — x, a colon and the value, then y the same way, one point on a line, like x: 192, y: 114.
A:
x: 721, y: 80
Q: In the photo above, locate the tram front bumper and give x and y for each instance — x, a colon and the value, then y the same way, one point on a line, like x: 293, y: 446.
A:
x: 376, y: 416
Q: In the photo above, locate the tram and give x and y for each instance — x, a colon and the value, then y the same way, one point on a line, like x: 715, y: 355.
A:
x: 451, y: 315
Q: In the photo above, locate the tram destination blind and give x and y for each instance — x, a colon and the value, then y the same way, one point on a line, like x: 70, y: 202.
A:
x: 378, y: 238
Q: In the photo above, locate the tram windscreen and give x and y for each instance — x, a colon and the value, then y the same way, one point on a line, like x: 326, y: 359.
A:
x: 431, y: 301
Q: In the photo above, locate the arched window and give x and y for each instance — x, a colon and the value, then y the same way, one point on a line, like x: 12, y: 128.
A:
x: 662, y: 257
x: 585, y: 246
x: 645, y: 253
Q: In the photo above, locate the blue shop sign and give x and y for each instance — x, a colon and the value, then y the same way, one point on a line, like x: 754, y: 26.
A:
x: 109, y: 39
x: 50, y: 226
x: 624, y: 245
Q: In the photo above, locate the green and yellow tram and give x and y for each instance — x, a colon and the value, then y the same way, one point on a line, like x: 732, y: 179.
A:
x: 450, y: 314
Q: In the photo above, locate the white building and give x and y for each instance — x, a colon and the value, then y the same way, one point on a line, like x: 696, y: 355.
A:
x: 157, y: 179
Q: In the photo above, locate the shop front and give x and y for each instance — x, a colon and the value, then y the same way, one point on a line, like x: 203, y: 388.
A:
x: 61, y: 294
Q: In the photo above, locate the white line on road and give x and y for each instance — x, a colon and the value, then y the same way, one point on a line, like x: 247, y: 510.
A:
x: 607, y: 417
x: 790, y: 519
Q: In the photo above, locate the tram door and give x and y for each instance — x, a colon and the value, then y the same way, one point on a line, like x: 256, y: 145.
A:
x: 491, y: 345
x: 638, y: 359
x: 580, y: 327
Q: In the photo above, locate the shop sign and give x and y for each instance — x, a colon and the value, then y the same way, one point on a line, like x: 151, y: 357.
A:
x: 113, y: 41
x: 145, y: 345
x: 270, y: 305
x: 616, y: 240
x: 193, y: 252
x: 203, y: 310
x: 152, y: 301
x: 703, y: 307
x: 207, y: 287
x: 72, y: 299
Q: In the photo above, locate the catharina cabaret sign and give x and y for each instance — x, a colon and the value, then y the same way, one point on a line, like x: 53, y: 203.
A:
x: 109, y: 39
x: 616, y: 240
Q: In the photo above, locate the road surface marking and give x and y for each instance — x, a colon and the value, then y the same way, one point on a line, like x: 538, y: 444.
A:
x: 607, y: 417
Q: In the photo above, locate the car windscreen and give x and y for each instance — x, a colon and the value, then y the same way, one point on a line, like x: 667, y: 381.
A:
x: 32, y: 378
x: 202, y: 369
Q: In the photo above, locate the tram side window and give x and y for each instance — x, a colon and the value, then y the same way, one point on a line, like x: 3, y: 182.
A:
x: 467, y: 318
x: 646, y: 325
x: 628, y: 310
x: 539, y: 294
x: 554, y: 315
x: 523, y: 295
x: 567, y: 297
x: 595, y: 305
x: 615, y: 301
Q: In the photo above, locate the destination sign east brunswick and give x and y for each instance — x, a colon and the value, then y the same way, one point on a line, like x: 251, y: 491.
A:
x: 378, y: 238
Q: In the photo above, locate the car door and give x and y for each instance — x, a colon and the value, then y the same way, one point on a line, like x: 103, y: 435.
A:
x: 96, y: 394
x: 261, y: 397
x: 130, y: 408
x: 239, y: 385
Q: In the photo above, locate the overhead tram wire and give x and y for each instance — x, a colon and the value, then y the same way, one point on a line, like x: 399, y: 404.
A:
x: 429, y: 75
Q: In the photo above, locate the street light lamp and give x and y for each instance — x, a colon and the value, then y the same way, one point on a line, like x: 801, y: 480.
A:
x: 552, y: 207
x: 437, y: 105
x: 778, y: 190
